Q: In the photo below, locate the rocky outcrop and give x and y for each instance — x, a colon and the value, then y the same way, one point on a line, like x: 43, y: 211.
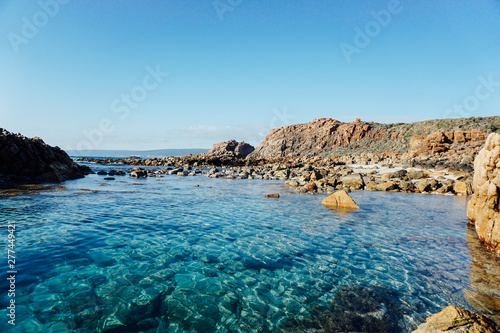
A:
x: 25, y: 159
x: 443, y: 141
x: 340, y: 200
x: 483, y: 209
x: 240, y: 149
x: 453, y: 319
x: 329, y: 137
x: 315, y: 137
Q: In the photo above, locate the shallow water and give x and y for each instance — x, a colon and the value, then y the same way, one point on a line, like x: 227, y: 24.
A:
x: 160, y: 255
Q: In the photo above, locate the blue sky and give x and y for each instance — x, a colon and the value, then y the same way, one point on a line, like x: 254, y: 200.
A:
x: 199, y: 72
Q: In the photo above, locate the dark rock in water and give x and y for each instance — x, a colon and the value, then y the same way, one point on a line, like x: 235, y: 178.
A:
x: 357, y: 309
x: 275, y: 195
x: 240, y: 149
x: 138, y: 173
x: 25, y: 159
x: 109, y: 178
x: 116, y: 173
x: 102, y: 173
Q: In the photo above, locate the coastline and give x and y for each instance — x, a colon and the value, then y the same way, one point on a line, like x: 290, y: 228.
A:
x: 311, y: 176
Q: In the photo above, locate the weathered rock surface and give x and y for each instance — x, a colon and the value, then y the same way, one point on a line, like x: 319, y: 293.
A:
x: 317, y: 136
x: 240, y: 149
x: 454, y: 319
x: 442, y: 140
x: 483, y: 209
x: 329, y: 137
x: 340, y: 200
x: 25, y: 159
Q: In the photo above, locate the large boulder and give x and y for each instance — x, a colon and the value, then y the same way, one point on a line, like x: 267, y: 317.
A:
x: 240, y: 149
x: 25, y: 159
x: 483, y: 209
x: 454, y: 319
x: 340, y: 200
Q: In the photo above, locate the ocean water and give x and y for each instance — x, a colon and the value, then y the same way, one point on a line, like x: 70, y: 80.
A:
x: 141, y: 153
x: 160, y: 255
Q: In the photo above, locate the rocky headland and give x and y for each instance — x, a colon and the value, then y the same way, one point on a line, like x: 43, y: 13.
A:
x: 25, y: 159
x: 328, y: 137
x: 325, y: 155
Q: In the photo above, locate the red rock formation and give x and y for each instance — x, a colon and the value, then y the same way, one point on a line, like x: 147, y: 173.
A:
x: 327, y: 137
x: 443, y: 141
x: 321, y: 135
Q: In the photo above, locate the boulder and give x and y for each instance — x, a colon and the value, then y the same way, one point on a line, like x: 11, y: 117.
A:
x: 462, y: 188
x: 483, y: 209
x: 417, y: 174
x: 275, y: 195
x: 340, y: 200
x: 138, y: 173
x: 240, y: 149
x: 311, y: 187
x: 387, y: 186
x: 25, y: 159
x: 354, y: 181
x: 454, y: 319
x: 423, y: 186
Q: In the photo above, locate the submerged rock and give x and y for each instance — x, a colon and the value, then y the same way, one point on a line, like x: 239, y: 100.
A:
x: 483, y: 209
x: 457, y: 320
x: 275, y: 195
x: 340, y: 200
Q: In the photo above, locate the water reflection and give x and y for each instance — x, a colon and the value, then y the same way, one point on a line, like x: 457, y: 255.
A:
x: 485, y: 278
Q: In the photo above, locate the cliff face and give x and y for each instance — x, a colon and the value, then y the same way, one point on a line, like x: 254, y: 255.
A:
x: 483, y: 209
x: 26, y: 159
x: 328, y: 137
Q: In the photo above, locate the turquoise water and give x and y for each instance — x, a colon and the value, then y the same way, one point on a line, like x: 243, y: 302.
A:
x: 160, y: 255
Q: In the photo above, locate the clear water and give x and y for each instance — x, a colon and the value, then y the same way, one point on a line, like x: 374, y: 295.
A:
x: 160, y: 255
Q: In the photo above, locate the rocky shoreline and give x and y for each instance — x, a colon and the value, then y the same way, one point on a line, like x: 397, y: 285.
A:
x: 310, y: 176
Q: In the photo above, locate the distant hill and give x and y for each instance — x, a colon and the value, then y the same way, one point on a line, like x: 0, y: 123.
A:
x: 328, y: 137
x: 138, y: 153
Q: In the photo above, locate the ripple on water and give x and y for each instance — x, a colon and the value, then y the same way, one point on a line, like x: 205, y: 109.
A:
x: 221, y: 258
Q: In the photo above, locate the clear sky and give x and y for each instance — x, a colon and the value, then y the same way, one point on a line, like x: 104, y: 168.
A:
x: 186, y: 74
